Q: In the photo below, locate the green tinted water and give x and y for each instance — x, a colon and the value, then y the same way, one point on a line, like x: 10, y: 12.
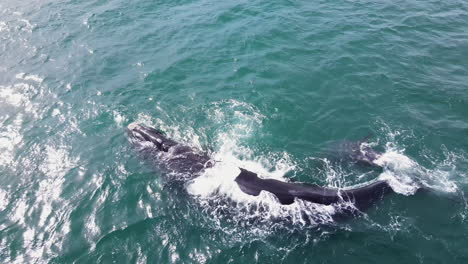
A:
x: 269, y: 84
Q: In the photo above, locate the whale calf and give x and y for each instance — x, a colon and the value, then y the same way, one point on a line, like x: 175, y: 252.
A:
x: 359, y: 152
x: 188, y: 163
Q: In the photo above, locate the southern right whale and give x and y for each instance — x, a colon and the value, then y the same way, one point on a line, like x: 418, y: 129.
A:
x: 190, y: 163
x: 362, y: 196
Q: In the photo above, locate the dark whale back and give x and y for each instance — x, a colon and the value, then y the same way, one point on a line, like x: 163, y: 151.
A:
x: 167, y: 154
x: 362, y: 197
x: 286, y: 192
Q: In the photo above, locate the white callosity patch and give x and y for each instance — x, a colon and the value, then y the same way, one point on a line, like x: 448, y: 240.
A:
x: 186, y: 136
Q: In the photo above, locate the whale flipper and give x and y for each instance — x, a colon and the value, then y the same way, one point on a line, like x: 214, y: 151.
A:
x: 251, y: 184
x: 243, y: 178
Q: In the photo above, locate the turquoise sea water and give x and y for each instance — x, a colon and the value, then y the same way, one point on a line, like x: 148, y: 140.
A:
x: 267, y: 85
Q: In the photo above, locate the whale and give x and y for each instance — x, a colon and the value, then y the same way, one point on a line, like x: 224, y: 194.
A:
x: 358, y: 151
x: 181, y: 161
x: 188, y: 163
x: 362, y: 196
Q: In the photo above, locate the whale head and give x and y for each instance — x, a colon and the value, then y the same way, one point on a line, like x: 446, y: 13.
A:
x: 182, y: 162
x: 148, y: 136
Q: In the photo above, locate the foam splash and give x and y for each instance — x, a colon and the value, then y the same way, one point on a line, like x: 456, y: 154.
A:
x: 397, y: 172
x: 3, y: 199
x: 10, y: 138
x: 406, y: 176
x: 217, y: 186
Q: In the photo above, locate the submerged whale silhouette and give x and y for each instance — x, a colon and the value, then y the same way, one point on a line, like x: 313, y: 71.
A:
x: 189, y: 163
x: 357, y: 151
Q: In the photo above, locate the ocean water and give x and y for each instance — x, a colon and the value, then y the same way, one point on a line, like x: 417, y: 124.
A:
x: 270, y: 86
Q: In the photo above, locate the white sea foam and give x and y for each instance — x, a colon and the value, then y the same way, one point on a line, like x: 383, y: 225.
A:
x: 406, y: 176
x: 397, y: 172
x: 16, y: 95
x: 217, y: 184
x: 33, y: 77
x: 10, y: 138
x: 118, y: 118
x: 3, y: 26
x: 3, y: 199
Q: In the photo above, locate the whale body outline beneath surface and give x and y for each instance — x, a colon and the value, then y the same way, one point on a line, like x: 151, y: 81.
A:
x: 175, y: 157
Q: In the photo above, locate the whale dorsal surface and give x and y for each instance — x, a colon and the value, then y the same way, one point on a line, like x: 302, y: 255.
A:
x: 169, y: 155
x: 287, y: 192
